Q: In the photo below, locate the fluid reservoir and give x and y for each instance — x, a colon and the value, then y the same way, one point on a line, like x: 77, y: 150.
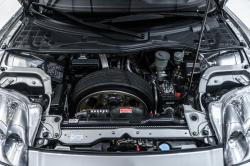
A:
x: 161, y: 59
x: 178, y: 57
x: 164, y: 147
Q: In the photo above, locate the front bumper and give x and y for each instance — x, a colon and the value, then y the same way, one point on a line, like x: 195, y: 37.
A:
x: 203, y: 156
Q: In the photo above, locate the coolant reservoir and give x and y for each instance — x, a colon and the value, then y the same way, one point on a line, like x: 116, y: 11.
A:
x: 161, y: 59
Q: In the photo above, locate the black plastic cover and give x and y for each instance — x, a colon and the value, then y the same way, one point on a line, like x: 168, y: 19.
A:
x: 85, y: 65
x: 58, y: 97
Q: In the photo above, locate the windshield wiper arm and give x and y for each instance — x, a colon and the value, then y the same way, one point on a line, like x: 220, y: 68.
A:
x: 143, y: 17
x: 93, y: 25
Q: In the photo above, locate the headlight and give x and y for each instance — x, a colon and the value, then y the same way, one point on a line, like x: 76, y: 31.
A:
x: 19, y: 121
x: 231, y: 120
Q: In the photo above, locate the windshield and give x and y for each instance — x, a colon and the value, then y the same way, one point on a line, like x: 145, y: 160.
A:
x: 125, y: 6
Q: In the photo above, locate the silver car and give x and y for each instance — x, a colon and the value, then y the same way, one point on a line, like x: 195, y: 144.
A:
x: 124, y: 82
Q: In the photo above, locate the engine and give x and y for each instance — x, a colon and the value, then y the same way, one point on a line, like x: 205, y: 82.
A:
x: 145, y: 101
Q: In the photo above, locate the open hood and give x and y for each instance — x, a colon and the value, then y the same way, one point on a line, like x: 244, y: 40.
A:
x: 125, y: 6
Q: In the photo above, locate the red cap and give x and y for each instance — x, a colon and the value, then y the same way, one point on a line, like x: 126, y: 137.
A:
x: 177, y: 94
x: 137, y: 148
x: 151, y: 112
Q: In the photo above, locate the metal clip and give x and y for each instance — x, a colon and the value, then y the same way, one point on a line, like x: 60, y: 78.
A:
x: 6, y: 82
x: 242, y: 80
x: 104, y: 61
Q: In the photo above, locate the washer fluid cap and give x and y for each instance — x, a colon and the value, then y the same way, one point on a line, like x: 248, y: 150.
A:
x: 164, y: 147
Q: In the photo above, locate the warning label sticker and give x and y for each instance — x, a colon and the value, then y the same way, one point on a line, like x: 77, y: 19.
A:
x: 76, y: 137
x: 125, y: 110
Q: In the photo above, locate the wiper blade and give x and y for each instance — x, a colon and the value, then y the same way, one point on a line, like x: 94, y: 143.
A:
x: 143, y: 17
x: 93, y: 25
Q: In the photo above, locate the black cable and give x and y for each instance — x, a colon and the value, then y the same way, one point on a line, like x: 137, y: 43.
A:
x: 149, y: 66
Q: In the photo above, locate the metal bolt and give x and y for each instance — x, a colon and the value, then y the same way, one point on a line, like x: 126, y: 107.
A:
x: 45, y: 134
x: 246, y: 66
x: 57, y: 119
x: 215, y: 81
x: 56, y: 134
x: 205, y: 132
x: 14, y: 105
x: 40, y: 141
x: 204, y: 66
x: 113, y: 132
x: 137, y: 132
x: 194, y: 118
x: 150, y: 133
x: 33, y: 82
x: 43, y: 118
x: 210, y: 139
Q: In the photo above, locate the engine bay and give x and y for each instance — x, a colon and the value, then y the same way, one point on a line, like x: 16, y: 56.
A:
x: 116, y: 102
x: 109, y: 92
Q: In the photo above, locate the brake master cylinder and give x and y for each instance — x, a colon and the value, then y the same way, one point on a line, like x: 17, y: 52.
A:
x: 161, y: 62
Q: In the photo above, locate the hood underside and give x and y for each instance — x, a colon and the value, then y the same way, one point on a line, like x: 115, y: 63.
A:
x: 125, y: 6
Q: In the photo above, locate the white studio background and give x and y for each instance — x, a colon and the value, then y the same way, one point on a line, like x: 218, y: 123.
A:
x: 7, y: 9
x: 241, y: 8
